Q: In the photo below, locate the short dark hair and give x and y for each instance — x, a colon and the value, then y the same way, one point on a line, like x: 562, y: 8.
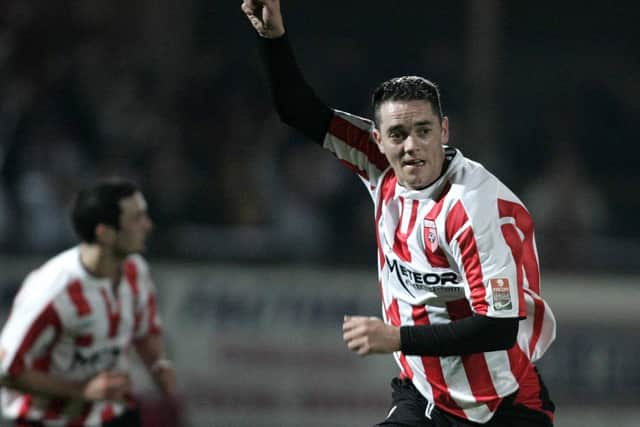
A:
x: 99, y: 204
x: 407, y: 88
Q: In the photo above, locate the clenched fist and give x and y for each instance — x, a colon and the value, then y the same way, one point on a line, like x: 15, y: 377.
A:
x: 367, y: 335
x: 265, y: 16
x: 108, y: 386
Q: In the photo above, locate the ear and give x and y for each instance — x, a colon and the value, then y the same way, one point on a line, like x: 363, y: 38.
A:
x: 105, y: 234
x: 444, y: 131
x: 377, y: 137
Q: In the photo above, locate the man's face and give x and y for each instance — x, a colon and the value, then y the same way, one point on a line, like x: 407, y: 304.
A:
x: 412, y: 137
x: 135, y: 226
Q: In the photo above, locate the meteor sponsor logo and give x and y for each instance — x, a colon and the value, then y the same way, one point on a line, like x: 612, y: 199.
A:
x: 434, y: 282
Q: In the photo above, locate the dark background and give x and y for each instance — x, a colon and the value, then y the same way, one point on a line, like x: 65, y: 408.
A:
x: 545, y: 94
x: 171, y: 94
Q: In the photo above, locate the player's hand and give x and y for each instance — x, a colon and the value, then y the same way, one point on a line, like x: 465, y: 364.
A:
x: 108, y: 386
x: 265, y: 16
x: 164, y: 375
x: 367, y: 335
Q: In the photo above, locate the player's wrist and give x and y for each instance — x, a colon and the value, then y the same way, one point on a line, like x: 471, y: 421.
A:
x: 272, y: 34
x: 160, y: 364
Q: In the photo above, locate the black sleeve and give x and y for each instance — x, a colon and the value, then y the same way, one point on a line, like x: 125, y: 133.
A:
x: 295, y: 101
x: 475, y: 334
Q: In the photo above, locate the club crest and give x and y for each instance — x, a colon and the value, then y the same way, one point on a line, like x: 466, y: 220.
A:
x: 430, y: 235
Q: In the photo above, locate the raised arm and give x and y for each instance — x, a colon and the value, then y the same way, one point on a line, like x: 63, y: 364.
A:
x: 295, y: 101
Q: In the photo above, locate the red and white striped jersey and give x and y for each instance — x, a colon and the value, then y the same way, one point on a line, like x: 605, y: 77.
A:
x: 68, y: 323
x: 463, y: 245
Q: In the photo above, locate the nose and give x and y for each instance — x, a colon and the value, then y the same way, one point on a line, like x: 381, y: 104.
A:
x: 149, y: 224
x: 410, y: 143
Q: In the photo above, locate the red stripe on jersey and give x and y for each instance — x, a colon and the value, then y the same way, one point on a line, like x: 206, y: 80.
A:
x: 538, y: 319
x: 530, y: 389
x: 131, y: 273
x: 525, y: 223
x: 475, y: 365
x: 83, y: 340
x: 433, y: 371
x: 113, y: 313
x: 387, y: 191
x: 48, y: 318
x: 512, y: 238
x: 459, y: 309
x: 42, y: 363
x: 473, y: 270
x: 24, y: 406
x: 400, y: 246
x: 393, y: 315
x: 54, y: 409
x: 107, y: 413
x: 456, y: 218
x: 480, y: 381
x: 75, y: 292
x: 355, y: 169
x: 388, y: 187
x: 359, y: 139
x: 407, y: 372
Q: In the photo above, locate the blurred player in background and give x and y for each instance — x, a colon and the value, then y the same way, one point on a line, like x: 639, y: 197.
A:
x: 458, y: 267
x: 64, y: 348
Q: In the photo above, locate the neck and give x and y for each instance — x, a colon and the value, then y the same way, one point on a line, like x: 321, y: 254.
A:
x: 97, y: 261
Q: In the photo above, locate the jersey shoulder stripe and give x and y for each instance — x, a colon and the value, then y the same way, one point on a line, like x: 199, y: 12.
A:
x: 349, y: 139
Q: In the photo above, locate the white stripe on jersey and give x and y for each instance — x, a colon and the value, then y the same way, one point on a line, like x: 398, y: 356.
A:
x: 501, y: 376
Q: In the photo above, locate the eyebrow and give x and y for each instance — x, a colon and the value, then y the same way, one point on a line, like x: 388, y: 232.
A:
x: 394, y: 128
x: 401, y: 126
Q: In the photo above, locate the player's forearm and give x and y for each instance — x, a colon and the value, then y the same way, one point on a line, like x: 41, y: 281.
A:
x: 40, y: 383
x: 151, y: 350
x: 295, y: 101
x: 475, y: 334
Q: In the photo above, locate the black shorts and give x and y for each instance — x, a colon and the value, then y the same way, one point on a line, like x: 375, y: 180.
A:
x: 408, y: 410
x: 131, y: 418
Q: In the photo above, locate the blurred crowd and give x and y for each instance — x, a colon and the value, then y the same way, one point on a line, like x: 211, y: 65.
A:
x: 171, y: 94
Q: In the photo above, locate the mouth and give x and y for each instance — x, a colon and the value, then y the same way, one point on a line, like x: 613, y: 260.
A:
x: 413, y: 163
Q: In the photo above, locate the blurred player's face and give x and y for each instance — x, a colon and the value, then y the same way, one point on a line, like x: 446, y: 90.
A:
x: 412, y: 137
x: 135, y: 226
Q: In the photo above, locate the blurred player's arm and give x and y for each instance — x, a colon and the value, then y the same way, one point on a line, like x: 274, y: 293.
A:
x: 150, y: 348
x: 104, y: 386
x: 295, y: 101
x: 24, y: 341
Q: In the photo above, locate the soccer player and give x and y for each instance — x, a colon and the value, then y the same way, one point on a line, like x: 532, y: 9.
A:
x: 458, y: 269
x: 63, y: 350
